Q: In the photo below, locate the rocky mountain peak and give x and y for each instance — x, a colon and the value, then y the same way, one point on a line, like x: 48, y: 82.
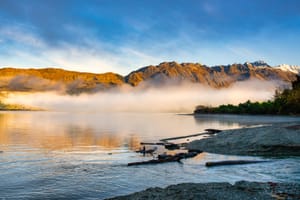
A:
x: 290, y: 68
x: 260, y: 63
x: 153, y: 75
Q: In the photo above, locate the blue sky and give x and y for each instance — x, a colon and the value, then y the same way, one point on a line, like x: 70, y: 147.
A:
x: 122, y: 35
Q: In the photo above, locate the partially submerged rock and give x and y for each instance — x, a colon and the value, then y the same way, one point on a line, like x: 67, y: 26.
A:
x: 275, y: 140
x: 240, y: 190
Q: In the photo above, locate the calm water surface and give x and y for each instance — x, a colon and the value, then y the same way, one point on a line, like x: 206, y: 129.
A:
x: 56, y: 155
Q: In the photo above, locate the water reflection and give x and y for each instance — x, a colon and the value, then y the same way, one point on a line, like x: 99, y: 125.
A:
x: 216, y: 123
x: 241, y: 120
x: 66, y: 131
x: 61, y: 131
x: 30, y: 130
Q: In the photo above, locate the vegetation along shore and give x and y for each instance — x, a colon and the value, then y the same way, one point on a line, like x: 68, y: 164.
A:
x: 286, y: 102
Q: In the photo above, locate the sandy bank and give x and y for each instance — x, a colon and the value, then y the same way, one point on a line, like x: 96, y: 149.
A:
x: 273, y: 140
x: 240, y: 190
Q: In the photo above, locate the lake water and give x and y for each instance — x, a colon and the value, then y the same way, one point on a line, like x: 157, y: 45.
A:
x: 59, y: 155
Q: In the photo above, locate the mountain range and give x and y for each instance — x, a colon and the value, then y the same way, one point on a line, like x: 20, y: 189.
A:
x: 71, y: 82
x: 291, y: 68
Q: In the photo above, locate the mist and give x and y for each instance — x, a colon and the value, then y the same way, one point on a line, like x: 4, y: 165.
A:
x: 180, y: 98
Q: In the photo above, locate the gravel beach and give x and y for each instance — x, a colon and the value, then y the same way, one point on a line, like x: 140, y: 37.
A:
x: 271, y: 140
x: 240, y: 190
x: 279, y: 139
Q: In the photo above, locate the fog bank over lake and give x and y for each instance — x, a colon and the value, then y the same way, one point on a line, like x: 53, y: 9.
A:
x: 178, y: 98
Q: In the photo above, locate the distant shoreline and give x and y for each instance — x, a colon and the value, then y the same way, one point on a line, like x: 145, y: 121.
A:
x: 244, y: 114
x: 21, y: 110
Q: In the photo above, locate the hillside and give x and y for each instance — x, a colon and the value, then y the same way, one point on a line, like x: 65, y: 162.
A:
x: 49, y: 79
x: 216, y: 77
x: 12, y: 79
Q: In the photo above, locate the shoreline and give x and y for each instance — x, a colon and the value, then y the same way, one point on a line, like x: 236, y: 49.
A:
x: 244, y: 114
x: 240, y: 190
x: 22, y: 110
x: 275, y: 140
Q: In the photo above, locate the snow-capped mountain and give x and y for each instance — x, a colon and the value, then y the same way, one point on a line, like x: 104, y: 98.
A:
x: 292, y: 68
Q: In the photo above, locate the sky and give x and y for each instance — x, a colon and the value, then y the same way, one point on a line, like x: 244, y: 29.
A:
x: 123, y: 35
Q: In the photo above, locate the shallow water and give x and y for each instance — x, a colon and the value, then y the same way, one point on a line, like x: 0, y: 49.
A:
x: 51, y: 155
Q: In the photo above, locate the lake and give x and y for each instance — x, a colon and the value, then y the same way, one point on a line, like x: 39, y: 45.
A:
x: 78, y: 155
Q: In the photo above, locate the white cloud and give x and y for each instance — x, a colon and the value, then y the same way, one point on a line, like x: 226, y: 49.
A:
x: 95, y: 55
x: 20, y: 35
x: 29, y: 50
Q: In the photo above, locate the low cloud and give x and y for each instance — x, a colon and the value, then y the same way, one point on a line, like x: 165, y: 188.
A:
x: 169, y: 98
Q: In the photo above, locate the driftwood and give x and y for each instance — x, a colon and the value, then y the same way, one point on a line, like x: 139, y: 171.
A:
x: 168, y: 145
x: 178, y: 156
x: 163, y: 158
x: 195, y: 150
x: 166, y: 158
x: 172, y: 146
x: 148, y: 151
x: 209, y: 131
x: 153, y: 161
x: 212, y: 131
x: 182, y: 137
x: 152, y: 143
x: 233, y: 162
